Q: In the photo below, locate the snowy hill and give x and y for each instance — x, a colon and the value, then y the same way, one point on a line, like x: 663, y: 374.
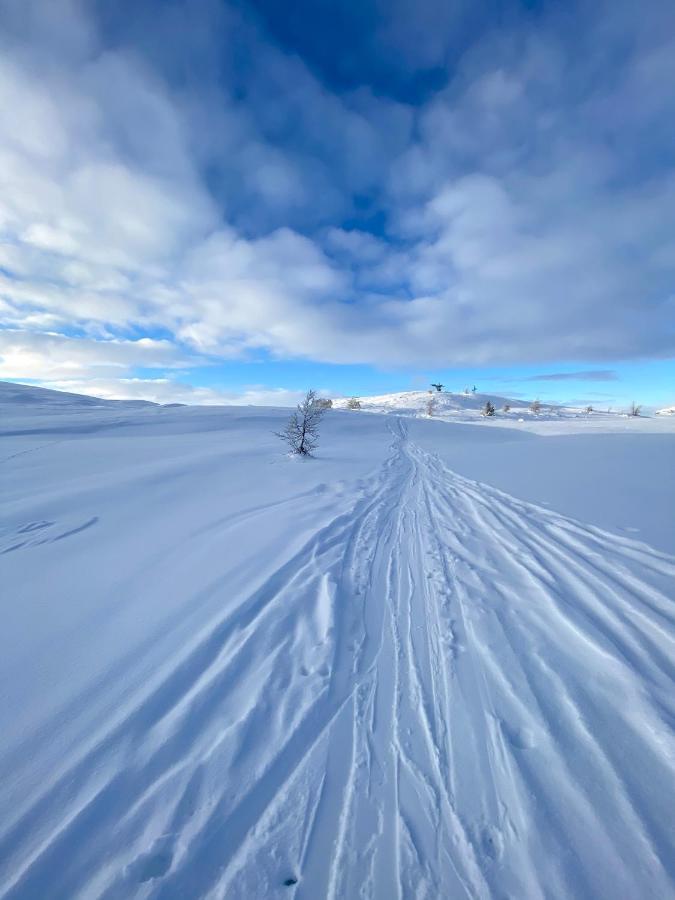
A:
x: 666, y: 411
x: 459, y: 407
x: 29, y: 395
x: 416, y: 403
x: 434, y: 661
x: 517, y: 414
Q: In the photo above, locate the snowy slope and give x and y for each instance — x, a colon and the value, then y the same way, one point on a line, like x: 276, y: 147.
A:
x: 468, y: 408
x: 456, y: 407
x: 223, y: 669
x: 415, y: 402
x: 20, y: 395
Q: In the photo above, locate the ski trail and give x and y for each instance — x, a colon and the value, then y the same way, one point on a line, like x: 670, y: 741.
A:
x: 447, y: 692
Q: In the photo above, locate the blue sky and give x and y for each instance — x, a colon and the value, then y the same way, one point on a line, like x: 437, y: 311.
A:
x: 233, y: 201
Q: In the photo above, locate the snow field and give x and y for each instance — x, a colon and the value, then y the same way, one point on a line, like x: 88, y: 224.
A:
x: 366, y: 674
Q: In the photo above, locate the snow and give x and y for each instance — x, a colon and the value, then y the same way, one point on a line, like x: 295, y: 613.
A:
x: 12, y: 394
x: 621, y: 481
x: 468, y: 409
x: 390, y: 671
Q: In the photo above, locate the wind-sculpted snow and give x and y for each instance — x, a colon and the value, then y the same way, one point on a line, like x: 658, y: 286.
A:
x: 444, y: 692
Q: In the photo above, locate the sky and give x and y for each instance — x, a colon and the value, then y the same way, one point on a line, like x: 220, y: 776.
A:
x: 213, y: 201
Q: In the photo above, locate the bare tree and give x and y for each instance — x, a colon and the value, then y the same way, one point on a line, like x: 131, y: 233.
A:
x: 353, y: 403
x: 634, y: 409
x: 535, y: 407
x: 439, y: 387
x: 488, y: 409
x: 302, y: 429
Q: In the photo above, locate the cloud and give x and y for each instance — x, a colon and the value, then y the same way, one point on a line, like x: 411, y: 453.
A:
x: 590, y: 375
x: 165, y: 390
x: 155, y: 186
x: 44, y: 356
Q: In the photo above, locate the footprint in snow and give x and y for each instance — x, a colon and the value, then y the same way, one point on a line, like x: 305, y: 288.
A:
x: 520, y: 737
x: 153, y: 864
x: 492, y: 842
x: 323, y: 671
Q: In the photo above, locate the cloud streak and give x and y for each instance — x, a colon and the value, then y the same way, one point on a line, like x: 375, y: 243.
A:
x: 588, y: 375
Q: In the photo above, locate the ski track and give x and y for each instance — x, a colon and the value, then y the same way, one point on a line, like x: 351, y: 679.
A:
x: 446, y: 693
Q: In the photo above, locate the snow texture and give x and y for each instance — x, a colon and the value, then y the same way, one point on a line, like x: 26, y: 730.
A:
x: 378, y: 673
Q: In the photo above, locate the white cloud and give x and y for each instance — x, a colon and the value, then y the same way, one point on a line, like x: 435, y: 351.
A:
x: 521, y: 224
x: 164, y: 390
x: 45, y: 356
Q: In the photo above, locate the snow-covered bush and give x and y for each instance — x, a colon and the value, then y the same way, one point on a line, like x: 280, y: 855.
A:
x: 489, y: 409
x: 353, y: 403
x: 324, y: 402
x: 506, y: 408
x: 302, y: 429
x: 535, y: 407
x: 431, y: 406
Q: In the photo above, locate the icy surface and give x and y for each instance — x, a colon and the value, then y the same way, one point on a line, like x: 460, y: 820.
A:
x: 385, y: 672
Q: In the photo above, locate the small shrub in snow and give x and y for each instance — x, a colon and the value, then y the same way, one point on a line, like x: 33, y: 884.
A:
x: 506, y: 408
x: 535, y: 407
x: 324, y: 403
x: 302, y: 429
x: 431, y: 406
x: 488, y: 409
x: 589, y: 409
x: 353, y: 403
x: 634, y: 409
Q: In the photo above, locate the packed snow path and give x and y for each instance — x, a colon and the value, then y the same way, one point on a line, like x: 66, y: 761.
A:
x: 445, y: 693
